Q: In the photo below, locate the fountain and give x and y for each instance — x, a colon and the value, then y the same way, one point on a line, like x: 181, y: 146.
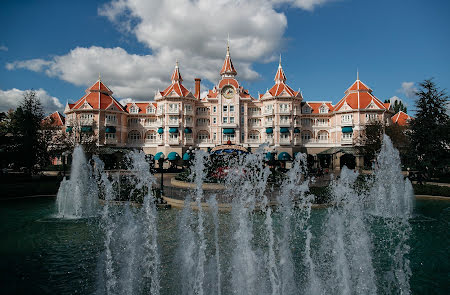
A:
x: 258, y: 248
x: 78, y: 196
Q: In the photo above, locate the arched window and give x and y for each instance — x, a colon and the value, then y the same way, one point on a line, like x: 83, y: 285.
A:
x: 151, y: 136
x: 134, y: 136
x: 253, y: 136
x: 322, y: 136
x: 202, y: 136
x: 306, y: 136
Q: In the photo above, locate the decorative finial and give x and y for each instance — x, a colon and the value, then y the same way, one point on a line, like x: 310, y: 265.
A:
x: 280, y: 61
x: 357, y: 74
x: 176, y: 63
x: 99, y: 77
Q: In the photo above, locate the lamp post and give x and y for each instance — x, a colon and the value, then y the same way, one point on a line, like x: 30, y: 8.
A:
x: 161, y: 163
x: 64, y: 158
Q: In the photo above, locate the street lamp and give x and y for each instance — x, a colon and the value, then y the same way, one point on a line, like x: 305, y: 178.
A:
x: 64, y: 158
x: 161, y: 163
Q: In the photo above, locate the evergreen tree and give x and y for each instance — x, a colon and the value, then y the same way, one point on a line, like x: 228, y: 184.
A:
x: 399, y: 106
x: 430, y: 132
x: 31, y: 147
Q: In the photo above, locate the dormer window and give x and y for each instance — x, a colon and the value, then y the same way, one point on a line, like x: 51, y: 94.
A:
x: 323, y: 110
x: 307, y: 110
x: 134, y: 110
x: 150, y: 110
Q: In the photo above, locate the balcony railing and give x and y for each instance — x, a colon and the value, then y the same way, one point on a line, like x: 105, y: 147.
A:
x: 199, y: 141
x: 285, y: 124
x: 188, y: 123
x: 152, y: 141
x: 188, y: 141
x: 111, y: 141
x: 172, y: 111
x: 111, y: 122
x: 285, y: 141
x: 173, y: 123
x: 188, y: 112
x: 252, y: 140
x: 152, y: 123
x: 254, y: 114
x: 174, y: 141
x: 284, y: 111
x: 268, y: 112
x: 268, y: 124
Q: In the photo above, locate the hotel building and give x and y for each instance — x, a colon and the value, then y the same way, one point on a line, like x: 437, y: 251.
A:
x: 176, y: 119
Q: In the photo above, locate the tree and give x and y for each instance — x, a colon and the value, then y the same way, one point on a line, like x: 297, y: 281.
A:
x: 400, y: 139
x: 78, y: 134
x: 370, y: 140
x: 25, y: 127
x: 398, y: 106
x: 430, y: 130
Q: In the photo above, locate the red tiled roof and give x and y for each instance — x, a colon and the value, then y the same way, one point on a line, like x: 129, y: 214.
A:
x: 228, y: 81
x: 401, y: 118
x: 228, y: 67
x: 99, y: 87
x: 359, y: 96
x: 178, y: 88
x: 316, y: 105
x: 387, y: 105
x: 280, y: 76
x: 212, y: 94
x: 55, y: 119
x: 358, y: 86
x: 176, y: 76
x: 278, y: 88
x: 98, y: 96
x: 141, y: 105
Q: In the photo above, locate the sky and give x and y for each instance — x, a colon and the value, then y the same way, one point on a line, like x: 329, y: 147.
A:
x: 58, y: 48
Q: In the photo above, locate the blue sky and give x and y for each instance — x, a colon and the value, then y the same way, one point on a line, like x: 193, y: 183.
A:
x: 59, y: 47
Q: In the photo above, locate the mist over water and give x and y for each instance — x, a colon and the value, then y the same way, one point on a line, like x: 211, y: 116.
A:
x: 359, y: 245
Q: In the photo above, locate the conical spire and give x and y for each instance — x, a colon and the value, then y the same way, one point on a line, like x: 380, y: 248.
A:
x: 176, y: 76
x: 228, y: 68
x: 280, y: 77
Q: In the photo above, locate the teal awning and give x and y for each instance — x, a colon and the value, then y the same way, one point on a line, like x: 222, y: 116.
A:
x: 228, y: 131
x: 186, y: 157
x: 283, y: 156
x: 69, y: 129
x: 187, y: 130
x: 159, y: 155
x: 86, y: 129
x: 269, y: 130
x: 270, y: 156
x: 284, y: 130
x: 347, y: 129
x: 172, y: 156
x: 110, y: 129
x: 161, y: 130
x: 296, y: 130
x: 173, y: 130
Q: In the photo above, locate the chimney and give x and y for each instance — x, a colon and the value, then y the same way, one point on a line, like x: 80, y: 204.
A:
x: 197, y: 87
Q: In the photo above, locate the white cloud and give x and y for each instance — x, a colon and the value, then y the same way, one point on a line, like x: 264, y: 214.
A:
x: 3, y: 48
x: 194, y: 32
x: 10, y: 99
x: 408, y: 89
x: 35, y: 65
